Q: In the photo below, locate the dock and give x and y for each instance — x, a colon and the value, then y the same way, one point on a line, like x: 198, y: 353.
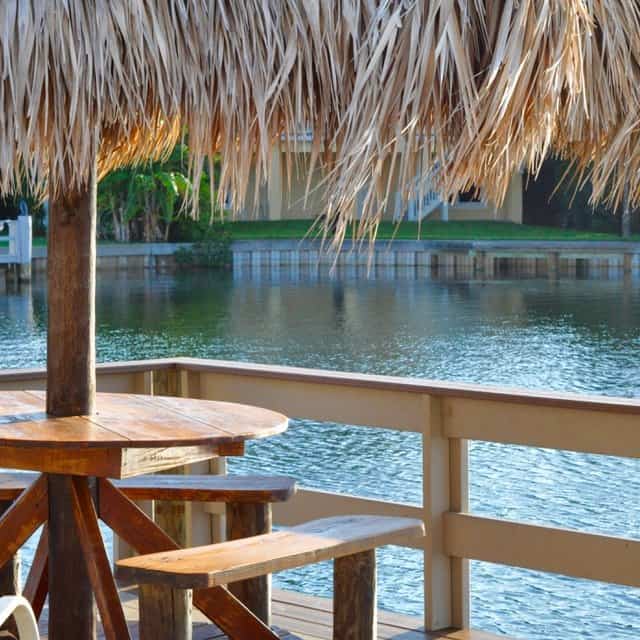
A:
x: 300, y: 617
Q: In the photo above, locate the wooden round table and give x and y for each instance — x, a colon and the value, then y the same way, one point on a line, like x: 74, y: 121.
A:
x: 128, y: 435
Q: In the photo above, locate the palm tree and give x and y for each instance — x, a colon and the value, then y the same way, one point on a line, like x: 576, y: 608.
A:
x: 154, y: 195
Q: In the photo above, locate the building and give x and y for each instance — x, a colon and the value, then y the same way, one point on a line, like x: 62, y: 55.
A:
x: 286, y: 197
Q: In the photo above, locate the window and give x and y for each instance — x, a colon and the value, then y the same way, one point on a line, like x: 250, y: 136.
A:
x: 471, y: 196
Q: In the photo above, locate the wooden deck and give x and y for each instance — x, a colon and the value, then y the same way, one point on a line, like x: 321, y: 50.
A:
x: 302, y: 617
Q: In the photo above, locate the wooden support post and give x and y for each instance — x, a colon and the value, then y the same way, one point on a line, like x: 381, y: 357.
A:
x: 165, y: 613
x: 627, y: 262
x: 71, y: 387
x: 446, y: 581
x: 10, y: 578
x: 96, y: 562
x: 354, y: 597
x: 71, y: 265
x: 71, y: 605
x: 244, y: 521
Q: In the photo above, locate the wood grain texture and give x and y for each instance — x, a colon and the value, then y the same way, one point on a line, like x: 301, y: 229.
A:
x: 138, y: 530
x: 142, y: 461
x: 36, y: 587
x: 207, y: 488
x: 244, y: 521
x: 71, y: 269
x: 309, y: 617
x: 22, y: 519
x: 97, y: 562
x: 165, y: 613
x: 354, y: 597
x: 64, y: 461
x: 133, y: 421
x: 71, y: 607
x: 213, y: 565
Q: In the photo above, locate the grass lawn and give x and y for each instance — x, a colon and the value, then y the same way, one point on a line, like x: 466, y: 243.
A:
x: 481, y: 230
x: 37, y: 241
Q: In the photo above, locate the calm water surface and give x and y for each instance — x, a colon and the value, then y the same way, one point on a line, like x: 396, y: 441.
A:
x: 571, y: 335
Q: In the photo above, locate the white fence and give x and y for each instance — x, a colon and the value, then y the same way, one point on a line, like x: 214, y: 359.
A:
x: 19, y: 241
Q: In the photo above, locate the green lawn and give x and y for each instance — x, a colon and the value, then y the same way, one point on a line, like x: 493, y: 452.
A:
x: 287, y: 229
x: 489, y: 230
x: 37, y: 241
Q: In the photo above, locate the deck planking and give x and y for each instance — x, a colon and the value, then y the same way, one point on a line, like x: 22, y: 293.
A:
x: 300, y: 617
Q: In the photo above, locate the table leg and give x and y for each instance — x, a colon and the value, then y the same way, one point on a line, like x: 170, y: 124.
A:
x: 22, y: 519
x: 128, y: 521
x: 71, y: 608
x: 97, y: 562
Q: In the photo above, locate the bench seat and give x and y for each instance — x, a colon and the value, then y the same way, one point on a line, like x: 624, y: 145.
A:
x: 191, y: 488
x: 220, y: 564
x: 166, y: 580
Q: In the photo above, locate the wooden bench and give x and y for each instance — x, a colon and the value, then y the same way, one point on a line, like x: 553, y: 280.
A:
x: 248, y: 502
x: 167, y: 579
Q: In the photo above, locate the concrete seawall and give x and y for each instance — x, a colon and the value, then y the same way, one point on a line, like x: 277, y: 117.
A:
x: 469, y: 257
x: 487, y: 257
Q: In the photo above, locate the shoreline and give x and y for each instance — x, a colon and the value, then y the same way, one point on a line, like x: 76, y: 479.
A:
x: 471, y: 257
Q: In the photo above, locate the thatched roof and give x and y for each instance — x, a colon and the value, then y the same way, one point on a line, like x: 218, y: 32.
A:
x: 483, y: 86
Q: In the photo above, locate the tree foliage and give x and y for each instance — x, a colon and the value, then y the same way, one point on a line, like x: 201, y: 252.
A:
x: 148, y: 202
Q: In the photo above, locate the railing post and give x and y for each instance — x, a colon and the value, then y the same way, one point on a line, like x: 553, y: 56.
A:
x: 446, y: 580
x: 143, y: 385
x: 459, y: 501
x: 201, y: 526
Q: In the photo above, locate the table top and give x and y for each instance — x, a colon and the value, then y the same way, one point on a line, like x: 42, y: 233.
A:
x: 124, y: 421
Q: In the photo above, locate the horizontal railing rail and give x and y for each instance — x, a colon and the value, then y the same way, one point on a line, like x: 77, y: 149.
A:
x: 447, y: 416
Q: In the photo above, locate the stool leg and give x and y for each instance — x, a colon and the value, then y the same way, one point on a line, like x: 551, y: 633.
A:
x: 245, y: 521
x: 165, y: 613
x: 354, y: 597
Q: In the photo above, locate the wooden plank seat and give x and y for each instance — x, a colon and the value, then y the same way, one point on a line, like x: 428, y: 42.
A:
x: 248, y: 502
x: 167, y: 579
x: 191, y: 488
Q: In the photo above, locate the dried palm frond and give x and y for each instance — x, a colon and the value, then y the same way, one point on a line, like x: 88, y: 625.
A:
x: 479, y: 88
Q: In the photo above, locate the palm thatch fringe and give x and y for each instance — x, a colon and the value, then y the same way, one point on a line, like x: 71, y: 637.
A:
x: 480, y: 87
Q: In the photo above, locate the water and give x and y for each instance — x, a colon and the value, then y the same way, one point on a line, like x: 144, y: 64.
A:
x: 571, y: 335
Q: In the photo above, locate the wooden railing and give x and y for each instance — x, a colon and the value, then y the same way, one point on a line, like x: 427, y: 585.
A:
x: 447, y: 416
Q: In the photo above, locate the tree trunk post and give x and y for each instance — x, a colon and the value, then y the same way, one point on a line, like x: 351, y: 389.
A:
x: 71, y: 388
x: 71, y: 376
